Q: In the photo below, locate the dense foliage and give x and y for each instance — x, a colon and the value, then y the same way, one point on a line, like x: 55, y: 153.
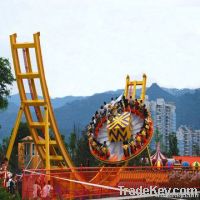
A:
x: 173, y: 145
x: 6, y: 80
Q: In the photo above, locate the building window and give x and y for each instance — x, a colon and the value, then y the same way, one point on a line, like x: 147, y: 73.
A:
x: 33, y: 149
x: 27, y: 149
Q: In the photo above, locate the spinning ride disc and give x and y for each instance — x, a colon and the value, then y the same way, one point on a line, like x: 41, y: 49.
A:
x: 120, y: 130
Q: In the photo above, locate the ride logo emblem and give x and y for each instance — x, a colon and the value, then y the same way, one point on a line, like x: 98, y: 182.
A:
x: 120, y: 128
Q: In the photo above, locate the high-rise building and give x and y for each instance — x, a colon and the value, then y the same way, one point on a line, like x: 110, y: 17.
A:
x: 164, y: 118
x: 196, y: 142
x: 184, y: 138
x: 188, y: 141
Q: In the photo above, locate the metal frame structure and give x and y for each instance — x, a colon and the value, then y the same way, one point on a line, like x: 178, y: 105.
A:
x: 51, y: 151
x: 134, y: 84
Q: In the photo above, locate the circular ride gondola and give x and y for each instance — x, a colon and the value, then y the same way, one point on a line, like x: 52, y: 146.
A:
x: 120, y: 130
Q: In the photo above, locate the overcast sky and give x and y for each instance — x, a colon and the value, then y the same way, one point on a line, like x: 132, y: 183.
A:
x: 89, y: 46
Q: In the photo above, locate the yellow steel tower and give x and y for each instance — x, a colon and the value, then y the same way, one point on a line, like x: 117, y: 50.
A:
x: 51, y: 151
x: 130, y: 90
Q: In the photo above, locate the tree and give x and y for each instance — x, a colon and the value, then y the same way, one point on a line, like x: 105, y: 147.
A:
x: 173, y: 145
x: 6, y: 80
x: 4, y: 195
x: 72, y: 144
x: 23, y: 131
x: 196, y: 149
x: 157, y: 136
x: 3, y: 147
x: 83, y: 155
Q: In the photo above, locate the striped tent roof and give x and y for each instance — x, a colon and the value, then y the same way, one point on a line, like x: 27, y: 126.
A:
x: 158, y: 155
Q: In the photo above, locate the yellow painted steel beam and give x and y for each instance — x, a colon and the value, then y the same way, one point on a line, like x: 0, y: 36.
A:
x: 37, y: 124
x: 149, y: 156
x: 134, y: 90
x: 22, y: 91
x: 136, y: 82
x: 31, y: 82
x: 126, y: 85
x: 54, y: 126
x: 47, y: 138
x: 23, y: 45
x: 51, y: 142
x: 14, y: 133
x: 56, y: 158
x: 143, y: 87
x: 34, y: 102
x: 28, y: 75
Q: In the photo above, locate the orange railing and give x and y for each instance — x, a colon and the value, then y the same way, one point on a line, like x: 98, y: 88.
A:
x: 105, y: 182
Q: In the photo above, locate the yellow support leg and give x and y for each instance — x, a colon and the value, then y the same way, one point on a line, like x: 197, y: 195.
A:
x: 148, y: 154
x: 134, y: 90
x: 47, y: 161
x: 127, y: 85
x: 14, y: 133
x: 143, y: 87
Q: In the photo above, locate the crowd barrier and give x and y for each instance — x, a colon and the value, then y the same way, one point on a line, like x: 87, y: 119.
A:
x: 94, y: 182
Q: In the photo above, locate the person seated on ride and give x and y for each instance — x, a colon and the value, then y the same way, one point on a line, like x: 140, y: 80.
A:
x: 105, y: 150
x: 131, y: 103
x: 136, y: 104
x: 147, y: 120
x: 90, y: 136
x: 146, y: 124
x: 114, y: 110
x: 93, y: 121
x: 143, y: 135
x: 112, y: 101
x: 101, y: 111
x: 125, y: 100
x: 136, y: 107
x: 101, y: 116
x: 119, y: 109
x: 97, y: 117
x: 138, y: 140
x: 94, y: 146
x: 109, y: 110
x: 141, y: 104
x: 133, y: 147
x: 105, y: 108
x: 91, y: 126
x: 121, y: 104
x: 98, y: 149
x: 110, y: 118
x: 145, y: 112
x: 126, y: 149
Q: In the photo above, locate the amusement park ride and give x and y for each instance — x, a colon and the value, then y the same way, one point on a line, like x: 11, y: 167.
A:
x: 114, y: 139
x: 53, y: 153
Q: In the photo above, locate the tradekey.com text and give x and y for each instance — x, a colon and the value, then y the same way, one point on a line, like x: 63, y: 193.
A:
x: 159, y: 192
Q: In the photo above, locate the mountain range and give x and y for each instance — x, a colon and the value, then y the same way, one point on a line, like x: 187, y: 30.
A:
x: 77, y: 110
